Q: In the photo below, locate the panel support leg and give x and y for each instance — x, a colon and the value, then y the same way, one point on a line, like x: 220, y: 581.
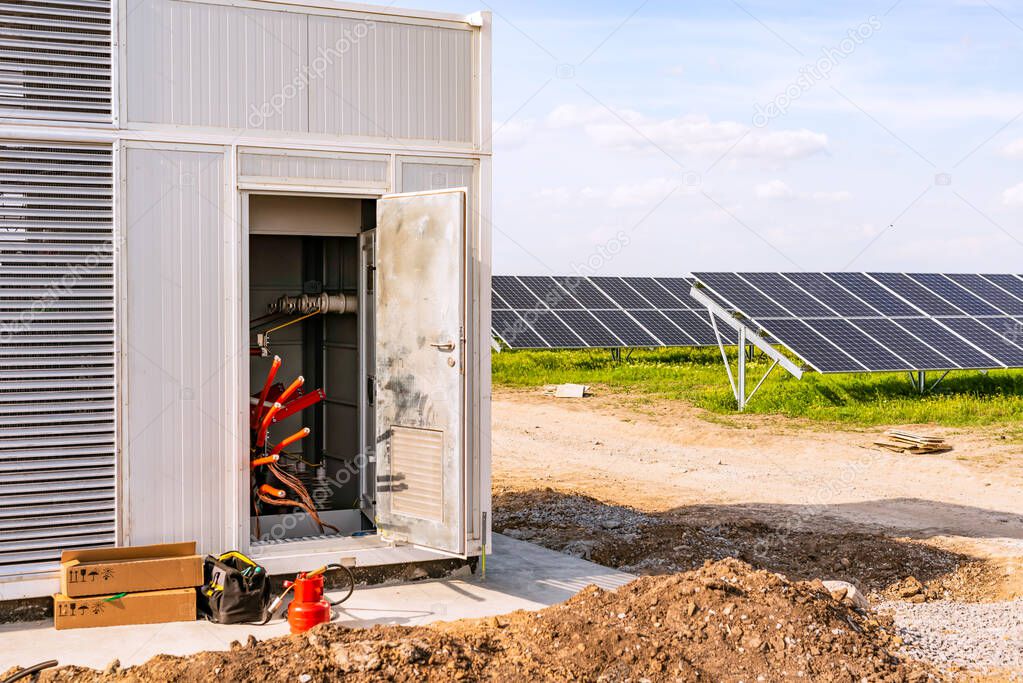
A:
x: 921, y: 378
x: 741, y: 379
x: 938, y: 381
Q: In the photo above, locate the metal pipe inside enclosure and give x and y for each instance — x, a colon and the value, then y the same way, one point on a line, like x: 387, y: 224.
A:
x: 327, y: 304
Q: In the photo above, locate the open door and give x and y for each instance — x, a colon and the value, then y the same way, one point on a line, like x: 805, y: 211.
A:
x: 420, y: 368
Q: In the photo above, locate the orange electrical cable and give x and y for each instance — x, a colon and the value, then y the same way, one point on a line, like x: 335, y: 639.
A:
x: 270, y: 376
x: 268, y: 460
x: 292, y: 388
x: 300, y: 434
x: 268, y: 490
x: 265, y: 424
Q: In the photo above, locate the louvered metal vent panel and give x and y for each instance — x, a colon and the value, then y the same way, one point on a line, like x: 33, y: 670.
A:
x: 57, y: 436
x: 54, y: 62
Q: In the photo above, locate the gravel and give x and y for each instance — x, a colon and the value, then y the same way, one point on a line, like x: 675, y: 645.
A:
x: 976, y: 636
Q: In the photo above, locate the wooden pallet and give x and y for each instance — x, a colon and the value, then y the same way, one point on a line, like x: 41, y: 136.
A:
x: 914, y: 444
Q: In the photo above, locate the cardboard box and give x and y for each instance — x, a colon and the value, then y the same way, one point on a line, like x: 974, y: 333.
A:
x: 108, y: 571
x: 152, y: 607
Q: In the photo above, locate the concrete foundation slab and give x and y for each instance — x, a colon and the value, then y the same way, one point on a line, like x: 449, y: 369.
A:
x: 519, y: 576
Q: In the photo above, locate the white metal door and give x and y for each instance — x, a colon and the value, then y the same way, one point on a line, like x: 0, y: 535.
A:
x: 420, y: 376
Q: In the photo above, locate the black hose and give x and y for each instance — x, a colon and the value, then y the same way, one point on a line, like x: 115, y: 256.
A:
x: 34, y: 669
x: 351, y: 583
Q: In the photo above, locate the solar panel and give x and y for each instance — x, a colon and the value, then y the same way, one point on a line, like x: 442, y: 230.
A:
x: 601, y: 312
x: 867, y: 290
x: 950, y: 291
x: 957, y: 349
x: 1009, y: 283
x: 589, y: 329
x: 855, y: 322
x: 510, y: 328
x: 680, y: 288
x: 552, y: 330
x: 550, y: 293
x: 812, y: 347
x: 916, y: 294
x: 497, y: 303
x: 838, y: 299
x: 695, y: 324
x: 620, y: 293
x: 989, y: 292
x: 664, y: 329
x: 915, y: 352
x: 626, y: 328
x: 585, y: 292
x: 861, y: 347
x: 740, y: 295
x: 515, y: 293
x: 981, y: 336
x: 657, y: 295
x: 793, y: 299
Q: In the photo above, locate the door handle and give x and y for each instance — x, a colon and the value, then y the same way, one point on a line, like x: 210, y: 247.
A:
x: 444, y: 346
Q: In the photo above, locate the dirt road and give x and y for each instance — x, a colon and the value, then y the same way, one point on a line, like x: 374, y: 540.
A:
x: 660, y: 456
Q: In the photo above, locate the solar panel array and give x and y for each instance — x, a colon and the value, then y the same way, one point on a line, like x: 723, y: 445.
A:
x: 597, y: 312
x: 880, y: 322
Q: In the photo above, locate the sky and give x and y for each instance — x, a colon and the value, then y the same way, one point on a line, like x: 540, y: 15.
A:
x: 662, y: 138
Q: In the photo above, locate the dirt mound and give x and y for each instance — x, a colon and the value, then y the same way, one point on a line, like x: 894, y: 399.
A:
x: 722, y: 622
x: 679, y: 540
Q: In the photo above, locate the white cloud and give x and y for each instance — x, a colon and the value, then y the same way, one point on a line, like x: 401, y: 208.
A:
x: 647, y: 193
x: 631, y: 131
x: 1014, y: 150
x: 1013, y: 196
x: 514, y: 133
x: 779, y: 189
x: 775, y: 189
x: 559, y: 195
x: 838, y: 196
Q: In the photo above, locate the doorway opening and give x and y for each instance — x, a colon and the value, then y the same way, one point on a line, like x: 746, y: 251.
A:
x: 310, y: 293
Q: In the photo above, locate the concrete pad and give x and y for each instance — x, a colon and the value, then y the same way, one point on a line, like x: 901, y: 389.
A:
x: 520, y: 575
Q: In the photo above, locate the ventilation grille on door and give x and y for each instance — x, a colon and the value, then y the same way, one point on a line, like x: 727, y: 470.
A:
x: 417, y: 474
x: 55, y: 59
x: 56, y: 352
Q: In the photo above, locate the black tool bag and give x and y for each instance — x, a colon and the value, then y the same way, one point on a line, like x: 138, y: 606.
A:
x: 236, y: 590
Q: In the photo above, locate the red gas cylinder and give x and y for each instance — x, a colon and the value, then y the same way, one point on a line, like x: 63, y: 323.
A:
x: 309, y: 607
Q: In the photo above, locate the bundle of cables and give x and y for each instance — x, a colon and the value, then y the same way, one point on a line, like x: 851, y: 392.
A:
x: 275, y: 403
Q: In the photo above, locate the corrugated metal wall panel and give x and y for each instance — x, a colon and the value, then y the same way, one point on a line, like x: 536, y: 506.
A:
x: 221, y: 66
x: 213, y: 65
x: 55, y: 60
x: 177, y: 447
x: 57, y: 439
x: 292, y: 167
x: 421, y: 177
x: 390, y: 80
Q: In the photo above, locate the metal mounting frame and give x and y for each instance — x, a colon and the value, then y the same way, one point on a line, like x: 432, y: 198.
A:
x: 746, y: 337
x: 919, y: 381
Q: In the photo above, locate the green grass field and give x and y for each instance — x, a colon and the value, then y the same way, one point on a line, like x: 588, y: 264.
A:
x: 697, y: 376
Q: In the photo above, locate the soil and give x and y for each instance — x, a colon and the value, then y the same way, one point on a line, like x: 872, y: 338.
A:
x: 675, y: 541
x: 724, y: 621
x: 655, y: 487
x: 816, y: 490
